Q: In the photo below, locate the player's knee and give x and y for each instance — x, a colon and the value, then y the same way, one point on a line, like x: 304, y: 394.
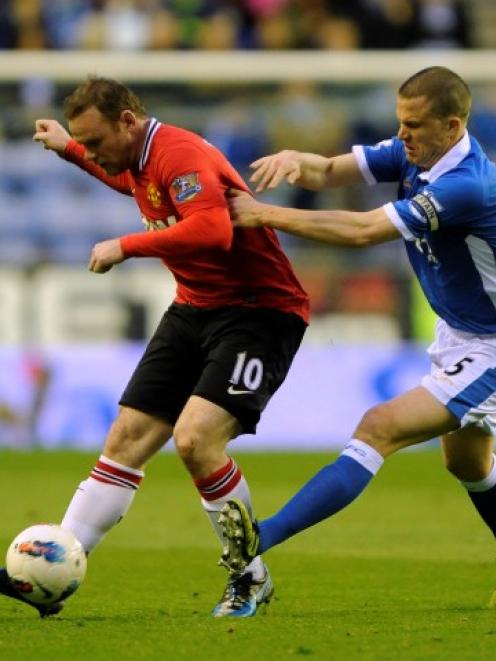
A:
x: 187, y: 447
x: 134, y: 435
x: 378, y: 429
x: 189, y: 443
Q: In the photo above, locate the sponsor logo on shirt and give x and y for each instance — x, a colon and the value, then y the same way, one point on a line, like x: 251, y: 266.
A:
x: 186, y: 187
x: 152, y: 224
x: 428, y: 212
x: 424, y: 247
x: 153, y: 195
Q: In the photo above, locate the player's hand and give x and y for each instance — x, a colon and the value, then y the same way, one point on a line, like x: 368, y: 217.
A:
x: 104, y: 255
x: 271, y: 170
x: 244, y: 210
x: 52, y: 134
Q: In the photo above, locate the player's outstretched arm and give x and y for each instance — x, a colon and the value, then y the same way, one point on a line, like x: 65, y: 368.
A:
x: 335, y: 227
x: 303, y: 169
x: 52, y: 134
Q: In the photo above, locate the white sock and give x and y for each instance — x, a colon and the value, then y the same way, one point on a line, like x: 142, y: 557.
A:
x: 215, y: 491
x: 101, y: 501
x: 364, y: 454
x: 486, y: 483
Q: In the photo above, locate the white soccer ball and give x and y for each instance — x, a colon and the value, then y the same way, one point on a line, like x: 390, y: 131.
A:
x: 46, y: 563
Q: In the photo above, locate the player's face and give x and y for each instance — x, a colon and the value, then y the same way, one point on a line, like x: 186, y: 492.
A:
x: 426, y: 137
x: 108, y: 143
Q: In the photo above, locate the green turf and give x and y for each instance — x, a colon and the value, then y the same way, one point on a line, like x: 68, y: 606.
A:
x: 405, y: 573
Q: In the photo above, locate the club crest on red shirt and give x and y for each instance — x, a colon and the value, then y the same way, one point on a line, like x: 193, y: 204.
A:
x: 186, y: 187
x: 153, y: 195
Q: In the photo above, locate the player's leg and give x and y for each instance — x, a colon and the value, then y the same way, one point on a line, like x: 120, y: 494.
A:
x: 411, y: 418
x: 102, y: 500
x: 468, y: 454
x: 248, y: 354
x: 150, y: 405
x: 154, y: 396
x: 201, y: 435
x: 464, y: 379
x: 459, y: 392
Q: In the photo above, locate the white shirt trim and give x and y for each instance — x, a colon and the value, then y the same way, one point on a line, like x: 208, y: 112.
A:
x: 397, y: 221
x: 485, y: 263
x: 359, y: 153
x: 153, y: 127
x: 449, y: 161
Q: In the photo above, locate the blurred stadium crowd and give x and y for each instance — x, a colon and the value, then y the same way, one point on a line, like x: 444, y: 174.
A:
x: 228, y: 24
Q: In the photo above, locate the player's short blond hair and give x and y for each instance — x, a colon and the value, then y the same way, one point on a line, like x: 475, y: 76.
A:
x: 448, y: 94
x: 109, y: 96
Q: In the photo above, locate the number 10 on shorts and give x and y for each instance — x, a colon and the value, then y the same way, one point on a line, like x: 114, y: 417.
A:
x: 248, y: 373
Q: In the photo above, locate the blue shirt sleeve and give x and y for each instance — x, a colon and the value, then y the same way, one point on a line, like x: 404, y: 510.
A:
x: 381, y: 162
x: 450, y: 201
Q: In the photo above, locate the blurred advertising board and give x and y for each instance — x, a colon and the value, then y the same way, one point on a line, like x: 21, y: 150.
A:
x: 66, y: 396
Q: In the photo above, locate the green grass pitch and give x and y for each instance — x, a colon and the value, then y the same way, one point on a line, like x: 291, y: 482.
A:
x: 406, y: 572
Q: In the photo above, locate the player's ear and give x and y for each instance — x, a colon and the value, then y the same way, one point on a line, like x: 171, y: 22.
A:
x: 454, y: 124
x: 128, y: 118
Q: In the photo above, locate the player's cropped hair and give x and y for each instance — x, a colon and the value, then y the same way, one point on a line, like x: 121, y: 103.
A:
x: 448, y: 94
x: 109, y: 96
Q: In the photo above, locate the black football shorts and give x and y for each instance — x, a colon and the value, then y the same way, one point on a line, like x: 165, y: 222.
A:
x: 235, y: 357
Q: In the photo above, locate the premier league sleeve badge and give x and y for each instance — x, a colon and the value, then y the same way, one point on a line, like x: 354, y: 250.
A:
x: 186, y: 187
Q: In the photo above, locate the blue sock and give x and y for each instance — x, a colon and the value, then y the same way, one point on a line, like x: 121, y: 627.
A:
x: 334, y: 487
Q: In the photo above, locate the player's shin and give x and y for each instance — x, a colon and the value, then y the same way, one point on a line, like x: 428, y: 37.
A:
x: 483, y: 496
x: 215, y: 490
x: 101, y: 501
x: 329, y: 491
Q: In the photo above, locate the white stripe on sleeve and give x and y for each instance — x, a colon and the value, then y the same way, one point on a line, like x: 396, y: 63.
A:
x: 359, y: 154
x: 397, y: 221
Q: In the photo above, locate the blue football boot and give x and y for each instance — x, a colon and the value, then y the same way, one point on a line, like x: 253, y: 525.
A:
x: 243, y: 595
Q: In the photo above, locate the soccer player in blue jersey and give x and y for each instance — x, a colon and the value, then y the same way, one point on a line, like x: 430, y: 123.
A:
x: 446, y: 215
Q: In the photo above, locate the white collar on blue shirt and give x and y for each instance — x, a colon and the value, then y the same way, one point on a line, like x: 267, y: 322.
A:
x: 449, y: 161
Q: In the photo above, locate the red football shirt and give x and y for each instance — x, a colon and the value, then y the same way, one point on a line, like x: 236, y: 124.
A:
x: 179, y: 185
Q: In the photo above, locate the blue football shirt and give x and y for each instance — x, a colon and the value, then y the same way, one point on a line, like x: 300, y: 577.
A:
x: 447, y: 216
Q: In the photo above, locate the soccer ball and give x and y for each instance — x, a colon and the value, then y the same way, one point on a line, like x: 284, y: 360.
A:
x: 46, y: 563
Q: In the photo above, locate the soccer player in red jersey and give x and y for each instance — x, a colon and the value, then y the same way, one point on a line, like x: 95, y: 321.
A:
x: 224, y: 345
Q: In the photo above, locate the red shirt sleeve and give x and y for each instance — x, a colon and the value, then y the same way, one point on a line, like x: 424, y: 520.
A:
x: 75, y: 153
x: 197, y: 192
x: 195, y: 234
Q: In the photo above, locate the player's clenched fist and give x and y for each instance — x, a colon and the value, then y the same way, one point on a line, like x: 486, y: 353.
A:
x: 271, y: 170
x: 104, y: 255
x: 244, y: 210
x: 52, y: 134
